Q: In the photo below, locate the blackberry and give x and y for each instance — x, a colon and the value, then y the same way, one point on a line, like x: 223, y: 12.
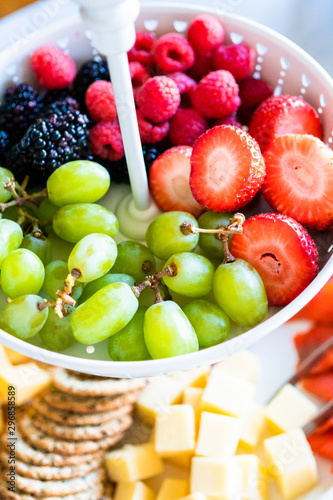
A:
x: 61, y: 106
x: 89, y: 72
x: 49, y: 143
x: 4, y: 143
x: 56, y: 95
x: 150, y: 153
x: 20, y: 107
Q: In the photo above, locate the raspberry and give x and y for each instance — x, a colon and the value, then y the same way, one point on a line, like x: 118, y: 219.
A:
x: 53, y: 68
x: 106, y: 140
x: 142, y: 50
x: 239, y: 59
x: 100, y: 101
x: 203, y: 65
x: 253, y: 91
x: 186, y: 126
x: 158, y: 99
x: 173, y: 53
x: 185, y: 84
x: 139, y: 75
x: 150, y: 133
x: 205, y: 33
x: 216, y: 95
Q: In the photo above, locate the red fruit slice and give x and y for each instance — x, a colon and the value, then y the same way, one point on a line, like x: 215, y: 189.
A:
x: 282, y: 252
x: 320, y: 385
x: 326, y: 426
x: 320, y: 307
x: 308, y: 342
x: 227, y: 168
x: 322, y: 443
x: 299, y: 179
x: 284, y: 114
x: 169, y: 181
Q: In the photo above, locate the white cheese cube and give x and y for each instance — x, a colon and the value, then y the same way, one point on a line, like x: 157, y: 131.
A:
x: 227, y: 394
x: 133, y: 463
x: 133, y: 491
x: 172, y: 489
x: 291, y: 462
x: 289, y: 409
x: 255, y: 479
x: 192, y: 396
x: 175, y: 431
x: 193, y: 378
x: 28, y: 379
x: 254, y: 424
x: 159, y: 393
x: 242, y: 364
x: 218, y: 435
x: 216, y: 477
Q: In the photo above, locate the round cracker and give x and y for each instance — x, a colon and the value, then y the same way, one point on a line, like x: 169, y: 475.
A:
x: 66, y: 382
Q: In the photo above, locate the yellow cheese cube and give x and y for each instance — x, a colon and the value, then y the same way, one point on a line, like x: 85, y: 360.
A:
x: 194, y: 496
x: 175, y: 430
x: 16, y: 358
x: 133, y: 463
x: 28, y: 379
x: 216, y: 477
x: 243, y: 364
x: 218, y: 435
x: 289, y: 409
x: 159, y: 393
x: 253, y: 427
x: 133, y: 491
x: 255, y: 480
x: 227, y: 394
x: 183, y: 460
x: 291, y: 462
x: 172, y: 489
x: 193, y: 378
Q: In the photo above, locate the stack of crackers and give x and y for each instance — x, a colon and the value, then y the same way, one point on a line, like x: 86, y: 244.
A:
x: 61, y: 437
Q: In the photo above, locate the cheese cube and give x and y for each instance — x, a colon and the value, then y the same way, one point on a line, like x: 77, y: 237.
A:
x: 172, y: 489
x: 242, y: 364
x: 255, y: 480
x: 289, y: 409
x: 254, y: 425
x: 192, y: 396
x: 227, y: 394
x: 184, y: 460
x: 291, y: 462
x: 159, y: 393
x: 16, y: 358
x: 28, y: 379
x: 133, y: 491
x: 216, y: 477
x: 193, y: 378
x: 133, y: 463
x: 195, y: 496
x: 175, y: 430
x: 218, y: 435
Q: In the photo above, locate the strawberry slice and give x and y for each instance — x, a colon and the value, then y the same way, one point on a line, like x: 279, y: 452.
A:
x: 320, y: 307
x: 227, y: 168
x: 296, y: 163
x: 282, y: 252
x: 322, y: 443
x: 169, y: 181
x: 284, y: 114
x: 306, y: 343
x: 320, y: 385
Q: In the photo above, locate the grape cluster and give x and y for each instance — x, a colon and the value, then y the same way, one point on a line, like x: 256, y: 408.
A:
x: 97, y: 293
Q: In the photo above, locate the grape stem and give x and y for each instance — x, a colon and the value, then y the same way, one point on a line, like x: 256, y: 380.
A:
x: 19, y: 194
x: 64, y: 296
x: 235, y: 226
x: 154, y: 282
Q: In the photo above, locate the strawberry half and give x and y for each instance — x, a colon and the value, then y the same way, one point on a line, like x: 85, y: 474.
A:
x: 227, y: 168
x: 284, y: 114
x: 169, y: 181
x: 299, y: 179
x: 282, y: 252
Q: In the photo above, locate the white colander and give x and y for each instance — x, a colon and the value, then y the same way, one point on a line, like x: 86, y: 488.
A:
x: 280, y: 62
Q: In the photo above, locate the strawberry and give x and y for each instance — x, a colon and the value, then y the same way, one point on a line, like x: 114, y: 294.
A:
x: 227, y: 168
x: 282, y: 252
x: 322, y: 443
x: 320, y: 385
x: 169, y: 181
x: 284, y: 114
x: 320, y: 307
x: 296, y: 163
x: 306, y: 343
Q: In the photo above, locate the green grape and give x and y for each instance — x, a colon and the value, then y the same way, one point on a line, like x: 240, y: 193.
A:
x: 93, y: 256
x: 79, y: 181
x: 104, y: 314
x: 5, y: 176
x: 22, y: 318
x: 240, y: 292
x: 46, y: 210
x: 57, y: 333
x: 105, y: 280
x: 22, y: 273
x: 131, y: 257
x: 11, y: 212
x: 11, y: 237
x: 165, y: 238
x: 168, y: 332
x: 74, y: 222
x: 210, y: 323
x: 210, y: 243
x: 129, y: 343
x: 56, y: 273
x: 193, y: 274
x: 40, y: 246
